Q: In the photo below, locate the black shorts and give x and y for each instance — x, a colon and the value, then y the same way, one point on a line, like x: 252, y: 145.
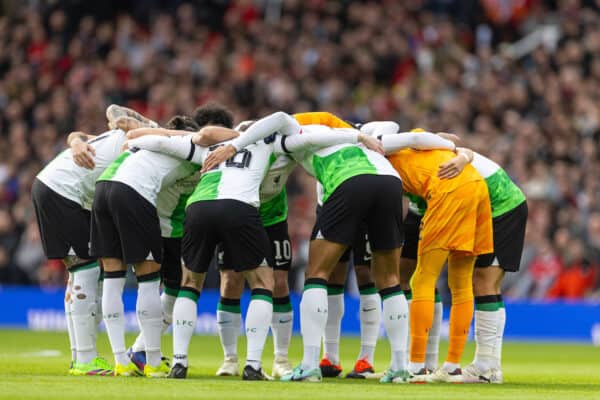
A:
x: 233, y: 224
x: 280, y: 244
x: 412, y: 224
x: 64, y: 225
x: 124, y: 225
x: 509, y: 238
x: 374, y: 201
x: 170, y: 268
x: 360, y: 251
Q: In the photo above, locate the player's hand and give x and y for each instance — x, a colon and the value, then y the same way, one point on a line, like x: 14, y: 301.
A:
x: 371, y: 143
x: 217, y: 156
x: 83, y: 154
x: 453, y: 168
x: 127, y: 124
x: 449, y: 136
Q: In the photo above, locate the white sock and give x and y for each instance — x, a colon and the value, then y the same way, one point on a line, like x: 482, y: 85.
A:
x: 114, y: 316
x: 408, y: 295
x: 415, y: 367
x: 185, y: 313
x: 83, y: 310
x: 258, y: 321
x: 395, y: 317
x: 433, y: 341
x: 500, y: 334
x: 313, y: 318
x: 333, y: 327
x: 370, y: 320
x: 282, y: 324
x: 149, y: 315
x: 69, y: 317
x: 486, y: 334
x: 167, y: 302
x: 229, y: 322
x: 450, y: 367
x: 98, y: 316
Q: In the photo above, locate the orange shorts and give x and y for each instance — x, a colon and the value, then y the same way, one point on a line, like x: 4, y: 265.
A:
x: 460, y: 220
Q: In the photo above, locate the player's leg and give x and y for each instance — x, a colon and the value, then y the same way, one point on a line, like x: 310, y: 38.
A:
x: 258, y: 319
x: 486, y: 283
x: 170, y: 271
x: 386, y: 235
x: 429, y: 266
x: 490, y: 313
x: 282, y: 322
x: 64, y: 230
x: 369, y: 311
x: 330, y: 364
x: 185, y: 313
x: 460, y: 281
x: 229, y: 318
x: 200, y: 239
x: 150, y: 316
x: 323, y: 256
x: 247, y: 249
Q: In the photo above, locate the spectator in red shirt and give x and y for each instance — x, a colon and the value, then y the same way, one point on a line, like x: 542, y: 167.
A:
x: 577, y: 278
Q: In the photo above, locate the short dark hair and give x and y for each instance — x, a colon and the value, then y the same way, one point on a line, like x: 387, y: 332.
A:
x: 213, y: 114
x: 182, y: 123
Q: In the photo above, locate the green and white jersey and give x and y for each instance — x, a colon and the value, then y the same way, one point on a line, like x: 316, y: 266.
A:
x: 170, y: 205
x: 78, y: 184
x: 273, y: 197
x: 148, y: 172
x: 238, y: 178
x: 333, y: 165
x: 505, y: 195
x: 416, y: 204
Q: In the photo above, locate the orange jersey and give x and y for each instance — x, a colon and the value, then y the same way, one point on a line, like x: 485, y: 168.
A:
x: 458, y: 215
x: 418, y: 170
x: 321, y: 118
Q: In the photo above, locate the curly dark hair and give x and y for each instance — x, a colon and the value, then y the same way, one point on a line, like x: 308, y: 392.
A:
x: 182, y: 123
x: 213, y: 114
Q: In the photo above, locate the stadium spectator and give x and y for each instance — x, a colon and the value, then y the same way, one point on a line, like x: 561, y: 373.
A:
x: 532, y: 105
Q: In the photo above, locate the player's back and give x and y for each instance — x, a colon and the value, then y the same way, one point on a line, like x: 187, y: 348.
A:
x: 419, y: 168
x: 238, y: 178
x: 77, y: 183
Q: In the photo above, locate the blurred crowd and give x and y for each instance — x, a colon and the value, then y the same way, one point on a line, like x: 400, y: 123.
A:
x: 519, y: 81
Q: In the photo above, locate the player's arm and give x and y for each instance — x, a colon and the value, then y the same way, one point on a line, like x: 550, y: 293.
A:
x: 175, y: 146
x: 279, y: 122
x: 210, y: 135
x: 316, y: 140
x: 413, y: 140
x: 321, y: 118
x: 83, y: 152
x: 114, y: 112
x: 380, y: 128
x: 455, y: 166
x: 139, y: 132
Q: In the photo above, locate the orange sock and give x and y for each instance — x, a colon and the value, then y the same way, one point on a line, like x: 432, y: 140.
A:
x: 460, y: 322
x: 421, y: 318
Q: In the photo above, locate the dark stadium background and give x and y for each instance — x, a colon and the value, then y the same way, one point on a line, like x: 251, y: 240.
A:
x: 518, y: 80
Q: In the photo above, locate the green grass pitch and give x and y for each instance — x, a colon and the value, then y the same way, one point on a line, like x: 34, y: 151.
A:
x: 34, y: 364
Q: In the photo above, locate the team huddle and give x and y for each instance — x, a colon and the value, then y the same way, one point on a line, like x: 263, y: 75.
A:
x: 170, y: 200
